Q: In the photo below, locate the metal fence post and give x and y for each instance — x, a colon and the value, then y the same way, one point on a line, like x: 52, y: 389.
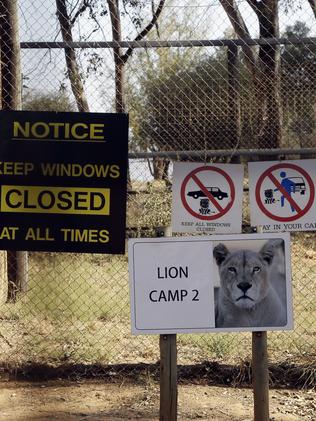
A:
x: 168, y: 365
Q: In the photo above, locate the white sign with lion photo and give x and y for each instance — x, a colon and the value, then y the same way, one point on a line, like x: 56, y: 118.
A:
x: 206, y: 284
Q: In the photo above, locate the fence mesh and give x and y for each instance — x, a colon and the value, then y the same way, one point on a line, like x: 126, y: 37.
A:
x: 74, y: 308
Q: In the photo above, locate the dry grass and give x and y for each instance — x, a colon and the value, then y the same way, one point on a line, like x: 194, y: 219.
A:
x: 77, y: 311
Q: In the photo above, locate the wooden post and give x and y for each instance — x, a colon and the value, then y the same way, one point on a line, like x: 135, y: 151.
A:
x: 260, y: 376
x: 168, y: 378
x: 168, y: 365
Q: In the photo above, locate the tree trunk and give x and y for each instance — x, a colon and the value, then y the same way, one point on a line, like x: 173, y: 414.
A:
x: 234, y: 100
x: 264, y: 69
x: 120, y: 59
x: 119, y: 63
x: 3, y: 254
x: 313, y: 6
x: 160, y: 168
x: 120, y: 104
x: 10, y: 53
x: 70, y: 56
x: 241, y: 31
x: 17, y: 264
x: 268, y: 78
x: 3, y: 277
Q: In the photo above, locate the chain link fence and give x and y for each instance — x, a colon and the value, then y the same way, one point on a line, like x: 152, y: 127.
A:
x: 245, y: 81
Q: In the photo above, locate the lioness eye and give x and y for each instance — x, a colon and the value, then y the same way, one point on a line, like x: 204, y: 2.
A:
x: 231, y: 269
x: 256, y: 269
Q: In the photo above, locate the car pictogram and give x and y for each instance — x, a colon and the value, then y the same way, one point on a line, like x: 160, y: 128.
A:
x: 299, y: 184
x: 215, y: 192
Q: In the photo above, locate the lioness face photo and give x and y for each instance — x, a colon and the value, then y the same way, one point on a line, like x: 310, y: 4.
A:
x: 243, y: 276
x: 252, y: 288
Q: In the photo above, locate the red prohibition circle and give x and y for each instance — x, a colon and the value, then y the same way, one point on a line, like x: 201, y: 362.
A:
x: 285, y: 218
x: 220, y: 213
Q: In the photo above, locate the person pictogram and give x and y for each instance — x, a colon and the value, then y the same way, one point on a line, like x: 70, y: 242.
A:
x: 289, y: 186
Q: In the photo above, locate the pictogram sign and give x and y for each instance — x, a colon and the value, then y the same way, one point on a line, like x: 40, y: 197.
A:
x: 287, y: 187
x: 281, y: 193
x: 207, y: 198
x: 214, y: 194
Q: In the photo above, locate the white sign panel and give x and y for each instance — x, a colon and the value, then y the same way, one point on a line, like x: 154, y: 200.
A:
x: 282, y: 195
x: 207, y: 198
x: 207, y: 284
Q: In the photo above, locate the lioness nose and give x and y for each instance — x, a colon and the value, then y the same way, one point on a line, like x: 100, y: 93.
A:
x: 244, y: 286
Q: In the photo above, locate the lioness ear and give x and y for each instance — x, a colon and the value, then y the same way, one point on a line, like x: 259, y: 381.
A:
x: 220, y: 253
x: 268, y: 250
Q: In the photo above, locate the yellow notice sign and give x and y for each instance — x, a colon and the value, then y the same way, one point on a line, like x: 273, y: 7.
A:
x: 59, y: 200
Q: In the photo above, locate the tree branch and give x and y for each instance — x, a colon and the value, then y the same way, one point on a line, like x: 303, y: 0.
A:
x: 79, y: 12
x: 146, y: 30
x: 254, y: 5
x: 115, y: 17
x: 115, y: 20
x: 153, y: 11
x: 70, y: 57
x: 313, y: 6
x: 241, y: 30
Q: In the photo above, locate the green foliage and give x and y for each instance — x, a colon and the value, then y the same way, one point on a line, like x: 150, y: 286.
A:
x: 53, y: 101
x: 215, y: 346
x: 150, y: 209
x: 298, y: 65
x: 66, y: 288
x: 188, y: 104
x: 149, y: 71
x: 181, y: 114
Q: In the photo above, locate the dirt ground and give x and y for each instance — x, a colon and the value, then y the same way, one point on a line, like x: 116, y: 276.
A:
x: 88, y: 400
